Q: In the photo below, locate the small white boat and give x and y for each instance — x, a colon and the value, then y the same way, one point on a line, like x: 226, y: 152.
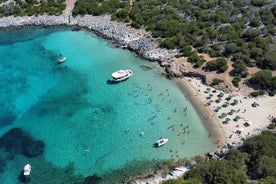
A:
x: 161, y: 142
x: 121, y: 75
x: 27, y: 170
x: 61, y: 60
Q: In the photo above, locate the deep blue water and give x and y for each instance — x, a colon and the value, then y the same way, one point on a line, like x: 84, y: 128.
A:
x: 68, y: 122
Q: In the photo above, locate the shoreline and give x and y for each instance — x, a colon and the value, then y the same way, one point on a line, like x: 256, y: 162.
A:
x: 118, y: 33
x: 210, y: 123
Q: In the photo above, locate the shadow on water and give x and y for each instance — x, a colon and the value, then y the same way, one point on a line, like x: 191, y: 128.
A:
x: 23, y: 178
x: 113, y: 82
x: 145, y: 67
x: 110, y: 82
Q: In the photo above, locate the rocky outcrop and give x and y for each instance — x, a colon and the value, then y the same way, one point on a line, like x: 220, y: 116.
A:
x: 119, y: 33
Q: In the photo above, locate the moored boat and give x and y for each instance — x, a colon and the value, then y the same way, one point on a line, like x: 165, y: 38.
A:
x: 61, y: 60
x: 27, y: 170
x: 161, y: 142
x: 121, y: 75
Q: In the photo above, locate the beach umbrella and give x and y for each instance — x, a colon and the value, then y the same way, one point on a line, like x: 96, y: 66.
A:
x: 227, y: 119
x: 220, y: 94
x: 208, y: 89
x: 229, y: 97
x: 232, y: 110
x: 236, y: 118
x: 225, y: 122
x: 225, y: 104
x: 235, y: 102
x: 255, y: 104
x: 230, y: 113
x: 223, y: 115
x: 211, y: 95
x: 218, y: 107
x: 249, y: 122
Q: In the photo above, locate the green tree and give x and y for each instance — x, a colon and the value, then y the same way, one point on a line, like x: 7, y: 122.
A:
x: 239, y: 69
x: 219, y: 64
x: 269, y: 61
x: 263, y: 79
x: 251, y: 33
x: 266, y: 166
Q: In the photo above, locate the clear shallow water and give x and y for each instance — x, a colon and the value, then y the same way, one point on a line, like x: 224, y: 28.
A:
x: 79, y: 116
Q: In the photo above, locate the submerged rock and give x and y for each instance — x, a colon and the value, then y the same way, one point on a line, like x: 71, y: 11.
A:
x: 33, y: 149
x: 16, y: 141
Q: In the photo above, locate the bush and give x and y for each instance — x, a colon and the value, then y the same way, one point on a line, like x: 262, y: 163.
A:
x: 199, y: 63
x: 219, y: 64
x: 236, y: 81
x: 264, y: 80
x: 216, y: 81
x: 271, y: 93
x: 257, y: 93
x: 193, y: 58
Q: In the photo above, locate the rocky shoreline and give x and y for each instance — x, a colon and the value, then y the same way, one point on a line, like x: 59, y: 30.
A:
x: 120, y: 34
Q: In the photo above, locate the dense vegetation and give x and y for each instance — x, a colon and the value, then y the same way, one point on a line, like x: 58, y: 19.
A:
x: 236, y: 28
x: 31, y: 7
x: 119, y: 9
x: 256, y: 160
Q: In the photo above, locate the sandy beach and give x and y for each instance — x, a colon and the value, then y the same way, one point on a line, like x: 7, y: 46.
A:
x: 231, y: 117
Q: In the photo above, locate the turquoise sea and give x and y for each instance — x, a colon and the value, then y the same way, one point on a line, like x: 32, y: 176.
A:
x: 71, y: 125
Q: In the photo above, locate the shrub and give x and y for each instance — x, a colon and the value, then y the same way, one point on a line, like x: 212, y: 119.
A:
x: 216, y: 81
x: 264, y: 80
x: 219, y: 64
x: 257, y: 93
x: 193, y: 58
x: 199, y: 63
x: 236, y: 81
x: 271, y: 93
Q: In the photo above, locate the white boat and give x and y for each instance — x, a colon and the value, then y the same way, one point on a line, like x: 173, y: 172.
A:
x: 27, y: 170
x: 121, y: 75
x: 61, y: 60
x: 161, y: 142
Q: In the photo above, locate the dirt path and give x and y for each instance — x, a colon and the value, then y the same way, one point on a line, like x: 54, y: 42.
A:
x: 69, y: 7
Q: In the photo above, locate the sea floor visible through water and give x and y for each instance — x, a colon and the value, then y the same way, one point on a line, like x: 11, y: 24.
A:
x: 68, y: 120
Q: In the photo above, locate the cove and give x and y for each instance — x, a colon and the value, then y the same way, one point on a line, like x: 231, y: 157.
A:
x: 84, y: 122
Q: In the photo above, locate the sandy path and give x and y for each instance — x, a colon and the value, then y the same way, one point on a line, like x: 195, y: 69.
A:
x: 69, y: 7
